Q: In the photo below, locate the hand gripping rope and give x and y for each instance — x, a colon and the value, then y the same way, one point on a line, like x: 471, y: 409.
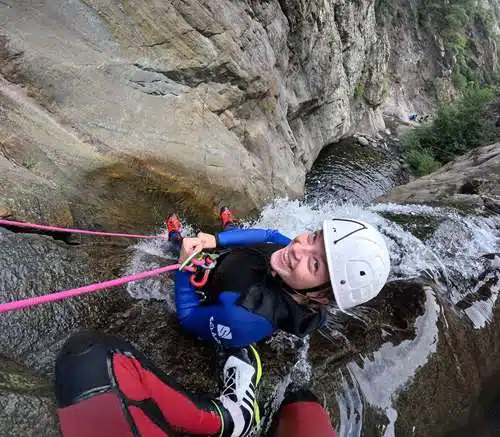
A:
x: 194, y: 263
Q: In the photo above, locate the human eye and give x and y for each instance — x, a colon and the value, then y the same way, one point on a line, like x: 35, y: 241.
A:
x: 315, y: 265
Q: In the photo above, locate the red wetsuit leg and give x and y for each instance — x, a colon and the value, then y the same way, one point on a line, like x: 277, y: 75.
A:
x: 106, y: 388
x: 304, y: 416
x: 98, y: 416
x: 161, y: 400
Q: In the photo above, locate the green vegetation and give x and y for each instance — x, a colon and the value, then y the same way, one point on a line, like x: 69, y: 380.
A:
x: 459, y: 80
x: 422, y: 162
x: 459, y: 34
x: 458, y: 127
x: 463, y: 30
x: 28, y: 162
x: 360, y: 89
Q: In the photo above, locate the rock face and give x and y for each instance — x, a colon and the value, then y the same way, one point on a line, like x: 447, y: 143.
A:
x: 27, y: 404
x: 32, y: 265
x: 113, y: 112
x: 406, y: 345
x: 472, y: 180
x: 32, y: 338
x: 423, y: 59
x: 194, y: 102
x: 28, y: 415
x: 204, y: 102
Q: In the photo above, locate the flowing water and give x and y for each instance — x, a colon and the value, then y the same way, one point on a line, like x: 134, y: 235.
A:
x: 447, y: 250
x: 349, y: 172
x: 441, y: 245
x: 368, y: 390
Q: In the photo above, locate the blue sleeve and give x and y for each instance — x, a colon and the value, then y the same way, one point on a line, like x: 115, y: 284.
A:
x: 245, y: 237
x: 228, y: 324
x: 186, y: 297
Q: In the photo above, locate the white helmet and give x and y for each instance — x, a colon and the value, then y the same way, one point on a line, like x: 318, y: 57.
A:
x: 358, y: 261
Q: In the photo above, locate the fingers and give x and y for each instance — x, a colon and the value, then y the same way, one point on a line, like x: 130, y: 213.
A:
x: 189, y: 246
x: 197, y: 244
x: 192, y: 244
x: 208, y: 240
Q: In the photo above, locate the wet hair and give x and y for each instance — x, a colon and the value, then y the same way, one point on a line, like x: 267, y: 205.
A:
x: 326, y: 287
x: 325, y: 291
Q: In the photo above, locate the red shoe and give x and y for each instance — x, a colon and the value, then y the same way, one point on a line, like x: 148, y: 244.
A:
x: 226, y: 216
x: 173, y: 223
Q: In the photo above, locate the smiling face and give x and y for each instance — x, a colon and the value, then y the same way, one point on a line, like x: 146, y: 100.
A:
x: 302, y: 264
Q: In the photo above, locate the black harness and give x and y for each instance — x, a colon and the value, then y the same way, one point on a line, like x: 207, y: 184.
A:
x: 246, y: 270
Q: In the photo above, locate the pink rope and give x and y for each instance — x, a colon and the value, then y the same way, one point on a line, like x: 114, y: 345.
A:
x: 60, y: 295
x: 75, y: 231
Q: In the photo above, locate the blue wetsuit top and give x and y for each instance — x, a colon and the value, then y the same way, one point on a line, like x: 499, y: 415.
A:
x: 226, y: 322
x: 243, y: 314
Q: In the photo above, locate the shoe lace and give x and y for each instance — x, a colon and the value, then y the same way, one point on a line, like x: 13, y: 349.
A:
x: 230, y: 380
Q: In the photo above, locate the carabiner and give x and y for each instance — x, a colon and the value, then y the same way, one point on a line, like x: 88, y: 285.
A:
x: 202, y: 282
x: 189, y: 259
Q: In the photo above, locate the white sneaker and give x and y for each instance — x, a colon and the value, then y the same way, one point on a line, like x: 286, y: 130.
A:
x: 237, y: 403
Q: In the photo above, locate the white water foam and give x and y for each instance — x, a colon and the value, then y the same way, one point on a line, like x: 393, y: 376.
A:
x: 452, y: 250
x: 449, y: 255
x: 350, y: 403
x: 481, y: 311
x: 299, y: 375
x: 148, y: 255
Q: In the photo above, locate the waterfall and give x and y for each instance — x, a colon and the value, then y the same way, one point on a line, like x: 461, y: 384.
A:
x: 438, y: 244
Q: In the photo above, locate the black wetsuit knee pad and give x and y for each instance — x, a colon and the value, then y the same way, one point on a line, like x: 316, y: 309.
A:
x: 83, y: 366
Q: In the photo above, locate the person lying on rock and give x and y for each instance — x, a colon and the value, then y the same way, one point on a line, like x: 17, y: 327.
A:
x: 107, y: 388
x: 264, y: 281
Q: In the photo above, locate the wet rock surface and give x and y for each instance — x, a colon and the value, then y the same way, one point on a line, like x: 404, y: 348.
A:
x: 34, y: 336
x: 111, y: 113
x: 414, y: 342
x: 28, y: 415
x: 458, y: 384
x: 32, y: 265
x: 26, y: 401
